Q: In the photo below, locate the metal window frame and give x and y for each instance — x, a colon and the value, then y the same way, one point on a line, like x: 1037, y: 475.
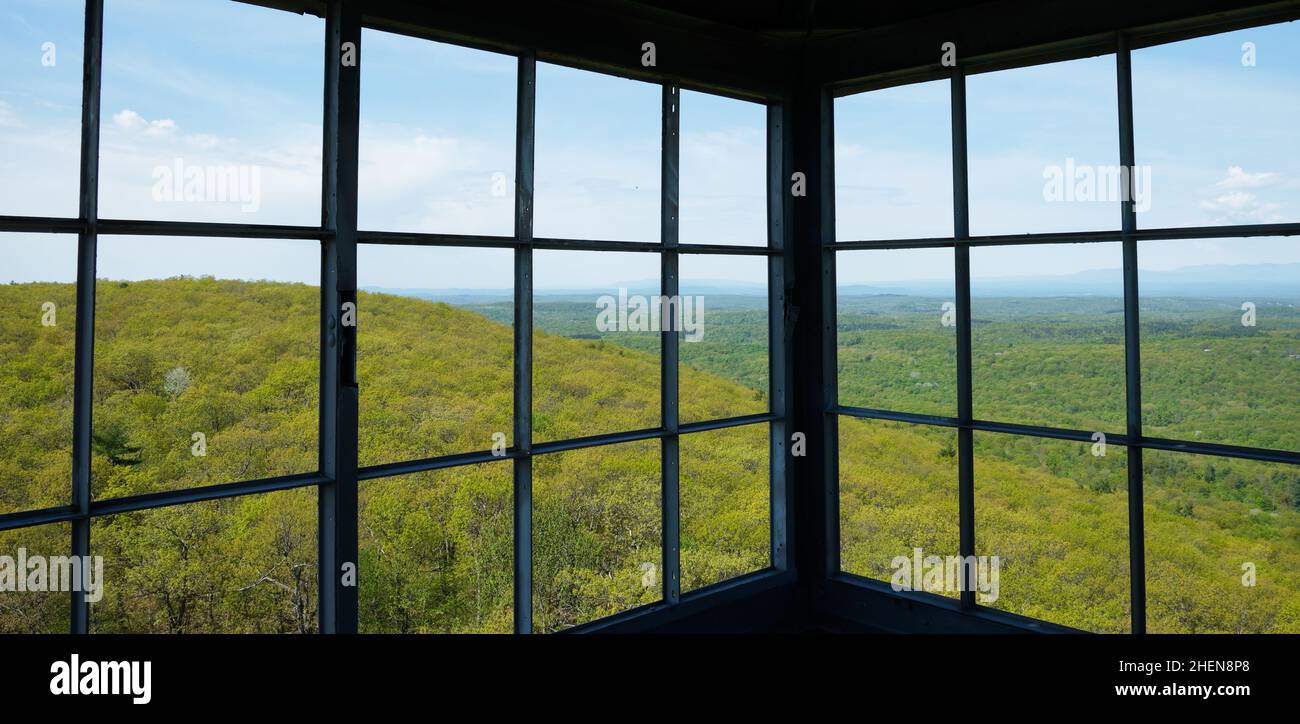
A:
x: 339, y: 475
x: 1128, y: 234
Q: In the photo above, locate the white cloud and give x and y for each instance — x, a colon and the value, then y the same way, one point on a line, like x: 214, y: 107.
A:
x: 128, y: 120
x: 9, y: 119
x: 1237, y: 178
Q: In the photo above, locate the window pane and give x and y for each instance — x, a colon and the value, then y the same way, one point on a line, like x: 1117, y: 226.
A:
x: 38, y: 330
x: 605, y: 376
x: 1221, y: 340
x: 435, y: 350
x: 893, y: 163
x: 1055, y: 513
x: 596, y: 533
x: 597, y: 165
x: 43, y: 609
x: 217, y: 119
x: 437, y: 552
x: 898, y: 494
x: 724, y: 354
x: 207, y: 362
x: 725, y: 490
x: 723, y: 176
x: 1214, y: 118
x: 1048, y: 346
x: 437, y: 137
x: 234, y: 565
x: 1222, y: 544
x: 896, y: 317
x: 40, y: 106
x: 1044, y: 148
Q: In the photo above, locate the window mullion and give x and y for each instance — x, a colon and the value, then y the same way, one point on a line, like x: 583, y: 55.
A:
x: 670, y: 341
x: 961, y: 278
x: 525, y: 125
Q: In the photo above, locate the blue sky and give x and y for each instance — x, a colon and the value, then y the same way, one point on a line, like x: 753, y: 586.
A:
x: 437, y: 150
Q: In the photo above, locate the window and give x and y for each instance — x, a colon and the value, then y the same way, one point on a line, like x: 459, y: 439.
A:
x: 197, y: 125
x: 596, y: 533
x: 723, y: 337
x: 40, y: 106
x: 726, y: 506
x: 207, y: 364
x: 723, y: 171
x: 896, y: 323
x: 38, y: 321
x: 435, y: 351
x: 437, y: 137
x: 437, y: 552
x: 1059, y: 393
x: 1038, y: 164
x: 893, y: 163
x: 1047, y: 335
x: 598, y: 156
x: 1210, y: 167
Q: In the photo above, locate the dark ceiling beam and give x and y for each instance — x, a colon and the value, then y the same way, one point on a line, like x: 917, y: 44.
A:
x: 1005, y: 33
x: 606, y: 36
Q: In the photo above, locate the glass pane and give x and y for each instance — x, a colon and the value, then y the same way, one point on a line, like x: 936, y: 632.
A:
x: 37, y: 557
x: 725, y: 489
x: 595, y: 347
x: 1221, y: 340
x: 437, y: 552
x: 1047, y: 335
x: 723, y: 352
x: 597, y: 526
x: 217, y: 119
x: 893, y: 163
x: 896, y: 317
x: 723, y: 176
x: 207, y: 362
x: 1222, y: 544
x: 435, y: 350
x: 1044, y: 149
x: 40, y: 106
x: 437, y: 149
x: 38, y: 338
x: 1054, y: 513
x: 597, y: 158
x: 234, y: 565
x: 898, y: 502
x: 1214, y: 119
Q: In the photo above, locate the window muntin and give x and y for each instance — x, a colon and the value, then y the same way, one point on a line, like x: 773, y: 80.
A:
x: 38, y: 323
x: 893, y: 163
x: 1213, y: 119
x: 40, y: 106
x: 428, y: 164
x: 207, y: 366
x: 218, y: 119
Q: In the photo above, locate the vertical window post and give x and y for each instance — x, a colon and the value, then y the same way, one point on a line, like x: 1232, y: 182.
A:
x: 338, y: 546
x: 669, y: 340
x: 961, y: 280
x: 525, y: 109
x: 87, y: 251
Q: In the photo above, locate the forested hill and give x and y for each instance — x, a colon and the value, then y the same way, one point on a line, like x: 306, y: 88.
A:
x: 237, y: 362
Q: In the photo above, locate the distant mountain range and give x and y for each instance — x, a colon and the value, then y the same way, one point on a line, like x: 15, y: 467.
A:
x: 1210, y: 280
